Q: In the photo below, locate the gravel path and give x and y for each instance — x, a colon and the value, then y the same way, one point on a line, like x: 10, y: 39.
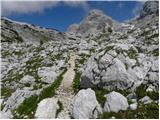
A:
x: 64, y: 92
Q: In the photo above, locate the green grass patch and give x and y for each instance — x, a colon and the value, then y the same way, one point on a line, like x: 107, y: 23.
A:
x: 123, y: 37
x: 132, y: 53
x: 6, y: 92
x: 141, y: 92
x: 155, y: 52
x: 101, y: 92
x: 76, y: 82
x: 149, y: 111
x: 60, y: 108
x: 29, y: 105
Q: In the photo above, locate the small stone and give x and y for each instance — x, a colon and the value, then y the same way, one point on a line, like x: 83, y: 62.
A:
x: 133, y: 106
x: 146, y: 100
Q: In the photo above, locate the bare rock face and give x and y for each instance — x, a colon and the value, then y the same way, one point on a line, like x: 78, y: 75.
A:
x: 115, y: 102
x: 85, y: 105
x: 150, y: 8
x: 94, y: 23
x: 47, y: 109
x: 27, y: 79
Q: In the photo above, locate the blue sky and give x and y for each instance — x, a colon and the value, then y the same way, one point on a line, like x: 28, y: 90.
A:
x: 60, y: 15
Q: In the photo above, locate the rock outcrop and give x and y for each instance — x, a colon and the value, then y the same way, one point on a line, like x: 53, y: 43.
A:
x: 85, y: 105
x: 150, y: 8
x: 115, y: 102
x: 47, y: 109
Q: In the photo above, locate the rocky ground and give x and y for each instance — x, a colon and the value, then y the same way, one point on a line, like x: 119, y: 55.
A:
x: 99, y: 68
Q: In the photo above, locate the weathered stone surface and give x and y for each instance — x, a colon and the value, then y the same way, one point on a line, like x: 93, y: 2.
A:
x: 115, y: 102
x: 27, y: 79
x: 47, y: 109
x: 133, y: 106
x: 146, y: 100
x: 85, y: 105
x: 132, y: 95
x: 48, y: 75
x: 15, y: 100
x: 149, y: 8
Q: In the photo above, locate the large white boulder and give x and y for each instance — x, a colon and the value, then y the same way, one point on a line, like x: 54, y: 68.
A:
x: 115, y: 102
x: 85, y: 105
x: 47, y: 109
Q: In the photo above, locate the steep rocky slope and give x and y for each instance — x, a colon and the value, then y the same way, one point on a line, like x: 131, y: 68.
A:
x: 119, y: 61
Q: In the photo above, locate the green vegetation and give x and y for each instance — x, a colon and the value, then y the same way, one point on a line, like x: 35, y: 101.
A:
x: 29, y: 105
x: 144, y: 33
x: 5, y: 53
x: 130, y: 31
x: 155, y: 52
x: 83, y: 58
x: 43, y: 40
x: 2, y: 106
x: 6, y: 92
x: 123, y: 37
x: 141, y: 92
x: 27, y: 108
x: 132, y: 53
x: 101, y: 92
x: 92, y: 50
x: 60, y: 108
x: 76, y: 82
x: 32, y: 66
x: 140, y: 50
x: 100, y: 95
x: 14, y: 37
x: 126, y: 66
x: 149, y: 111
x: 108, y: 48
x: 81, y: 61
x: 103, y: 35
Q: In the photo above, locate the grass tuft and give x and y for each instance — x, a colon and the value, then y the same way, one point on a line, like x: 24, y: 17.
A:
x: 60, y: 108
x: 29, y: 105
x: 76, y: 82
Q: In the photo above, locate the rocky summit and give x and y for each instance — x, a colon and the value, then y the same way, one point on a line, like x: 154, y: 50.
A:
x: 99, y: 68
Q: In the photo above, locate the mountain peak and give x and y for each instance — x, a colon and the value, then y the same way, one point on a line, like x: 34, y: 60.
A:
x: 95, y: 12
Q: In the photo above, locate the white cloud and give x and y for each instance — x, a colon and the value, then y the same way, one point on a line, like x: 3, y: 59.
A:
x: 72, y: 3
x: 120, y: 5
x: 27, y: 7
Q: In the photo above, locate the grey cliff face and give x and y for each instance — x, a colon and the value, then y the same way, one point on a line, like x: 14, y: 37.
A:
x: 150, y: 8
